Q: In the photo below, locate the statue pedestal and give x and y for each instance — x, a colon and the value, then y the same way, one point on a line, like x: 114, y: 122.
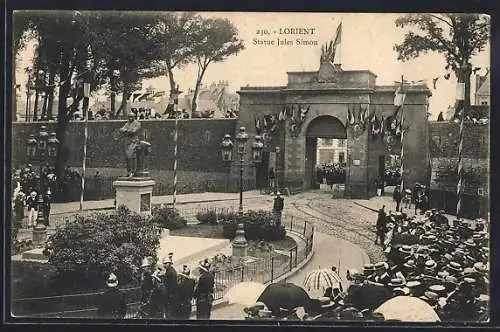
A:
x: 135, y: 193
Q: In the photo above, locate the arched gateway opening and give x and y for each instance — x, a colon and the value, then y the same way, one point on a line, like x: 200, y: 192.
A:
x: 326, y: 154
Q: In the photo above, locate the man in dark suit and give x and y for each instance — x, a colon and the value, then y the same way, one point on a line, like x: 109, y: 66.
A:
x: 204, y: 291
x: 169, y: 281
x: 185, y: 292
x: 381, y: 225
x: 279, y: 204
x: 112, y: 303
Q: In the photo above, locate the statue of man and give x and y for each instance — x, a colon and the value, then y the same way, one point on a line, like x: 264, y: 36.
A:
x: 131, y: 133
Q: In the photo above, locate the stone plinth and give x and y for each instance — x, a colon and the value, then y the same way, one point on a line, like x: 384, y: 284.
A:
x: 134, y: 193
x: 240, y: 244
x: 35, y: 255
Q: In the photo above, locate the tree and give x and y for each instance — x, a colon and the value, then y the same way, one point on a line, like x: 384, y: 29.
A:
x: 457, y: 36
x: 131, y: 51
x: 20, y: 32
x: 216, y: 41
x: 177, y: 34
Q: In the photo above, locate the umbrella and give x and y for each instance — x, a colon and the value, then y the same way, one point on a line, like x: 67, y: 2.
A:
x: 367, y: 296
x: 286, y: 296
x: 245, y: 293
x: 408, y: 309
x: 321, y: 279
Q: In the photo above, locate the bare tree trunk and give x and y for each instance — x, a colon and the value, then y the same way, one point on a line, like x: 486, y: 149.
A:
x: 50, y: 105
x: 14, y: 90
x: 201, y: 72
x: 113, y: 102
x: 35, y: 108
x: 124, y: 103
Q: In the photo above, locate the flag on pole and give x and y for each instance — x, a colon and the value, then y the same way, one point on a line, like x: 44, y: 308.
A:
x: 143, y: 96
x: 336, y: 44
x: 399, y: 97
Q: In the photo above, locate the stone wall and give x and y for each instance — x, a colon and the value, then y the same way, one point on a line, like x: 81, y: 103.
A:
x: 198, y: 143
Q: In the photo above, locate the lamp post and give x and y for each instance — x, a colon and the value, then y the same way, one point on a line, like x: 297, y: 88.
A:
x: 41, y: 149
x: 241, y: 140
x: 276, y: 175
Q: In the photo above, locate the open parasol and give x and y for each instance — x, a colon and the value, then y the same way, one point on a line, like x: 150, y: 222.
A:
x: 245, y: 293
x: 408, y: 309
x: 286, y: 296
x: 321, y: 279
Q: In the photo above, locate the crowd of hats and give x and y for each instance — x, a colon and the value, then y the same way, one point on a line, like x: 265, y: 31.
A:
x: 447, y: 266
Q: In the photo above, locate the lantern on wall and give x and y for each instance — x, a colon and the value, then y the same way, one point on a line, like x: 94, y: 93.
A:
x: 53, y: 142
x: 227, y: 148
x: 241, y: 138
x: 43, y: 138
x: 31, y: 147
x: 257, y: 148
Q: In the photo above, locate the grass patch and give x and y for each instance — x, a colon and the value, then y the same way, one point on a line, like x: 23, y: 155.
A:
x: 286, y: 244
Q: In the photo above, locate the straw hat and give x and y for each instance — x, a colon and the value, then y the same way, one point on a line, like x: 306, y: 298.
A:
x: 112, y: 281
x: 368, y: 269
x: 430, y: 264
x: 438, y: 289
x: 396, y: 282
x: 454, y: 267
x: 480, y: 267
x: 381, y: 266
x: 401, y: 291
x: 265, y: 313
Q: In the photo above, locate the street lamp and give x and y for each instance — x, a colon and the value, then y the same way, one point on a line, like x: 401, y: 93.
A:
x: 241, y: 140
x: 41, y: 149
x: 276, y: 171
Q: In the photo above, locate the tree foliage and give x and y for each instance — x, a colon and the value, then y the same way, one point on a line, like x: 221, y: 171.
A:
x: 216, y: 41
x: 456, y: 36
x: 91, y: 247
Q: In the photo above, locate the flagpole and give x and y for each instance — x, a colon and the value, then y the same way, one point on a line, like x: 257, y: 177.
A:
x: 340, y: 45
x: 86, y: 92
x: 402, y: 135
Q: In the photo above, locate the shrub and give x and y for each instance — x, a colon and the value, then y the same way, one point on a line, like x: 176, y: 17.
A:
x: 91, y: 247
x: 215, y: 216
x: 258, y: 225
x: 167, y: 217
x: 207, y: 217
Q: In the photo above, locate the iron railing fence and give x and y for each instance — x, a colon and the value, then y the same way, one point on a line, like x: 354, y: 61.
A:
x: 263, y: 270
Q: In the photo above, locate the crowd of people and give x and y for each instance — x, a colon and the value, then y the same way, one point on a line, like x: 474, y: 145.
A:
x: 331, y: 173
x: 27, y: 189
x: 443, y: 264
x: 166, y: 293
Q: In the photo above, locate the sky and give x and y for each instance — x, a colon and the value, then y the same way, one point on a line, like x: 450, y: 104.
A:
x: 367, y: 44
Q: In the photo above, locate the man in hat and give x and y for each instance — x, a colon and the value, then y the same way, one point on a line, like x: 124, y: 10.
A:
x: 278, y: 205
x: 397, y: 196
x: 131, y: 133
x: 169, y: 283
x: 381, y: 225
x: 381, y: 274
x: 112, y: 303
x: 204, y: 291
x: 185, y: 291
x: 146, y: 281
x: 32, y: 204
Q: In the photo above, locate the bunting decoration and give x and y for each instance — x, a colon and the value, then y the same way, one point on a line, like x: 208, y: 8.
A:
x: 357, y: 120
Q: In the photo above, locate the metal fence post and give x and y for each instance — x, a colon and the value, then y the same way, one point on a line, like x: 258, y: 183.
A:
x: 296, y: 255
x: 291, y: 254
x: 242, y: 273
x: 304, y: 231
x: 272, y: 269
x: 291, y: 224
x: 307, y: 246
